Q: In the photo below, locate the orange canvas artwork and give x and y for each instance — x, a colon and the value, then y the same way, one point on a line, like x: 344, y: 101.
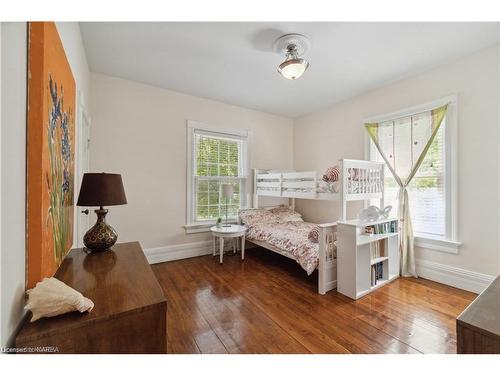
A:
x: 51, y: 157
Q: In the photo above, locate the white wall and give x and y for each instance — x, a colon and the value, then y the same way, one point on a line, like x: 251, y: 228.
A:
x: 1, y: 330
x: 337, y: 132
x: 13, y: 138
x: 71, y: 38
x: 13, y: 175
x: 140, y: 131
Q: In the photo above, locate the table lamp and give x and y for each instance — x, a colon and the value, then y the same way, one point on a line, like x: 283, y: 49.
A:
x: 227, y: 192
x: 101, y: 189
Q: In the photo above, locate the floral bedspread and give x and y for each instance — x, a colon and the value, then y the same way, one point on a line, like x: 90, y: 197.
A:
x: 291, y: 238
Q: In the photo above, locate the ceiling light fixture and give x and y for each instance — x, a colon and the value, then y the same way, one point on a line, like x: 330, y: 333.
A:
x: 293, y: 46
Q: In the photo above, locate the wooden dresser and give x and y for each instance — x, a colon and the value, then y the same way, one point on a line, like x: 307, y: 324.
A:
x: 478, y: 327
x: 130, y: 310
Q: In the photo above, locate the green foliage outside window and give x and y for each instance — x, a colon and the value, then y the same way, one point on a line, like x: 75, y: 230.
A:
x: 429, y: 173
x: 216, y: 157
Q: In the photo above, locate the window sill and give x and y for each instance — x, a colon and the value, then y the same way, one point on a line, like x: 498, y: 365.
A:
x: 445, y: 246
x: 202, y: 228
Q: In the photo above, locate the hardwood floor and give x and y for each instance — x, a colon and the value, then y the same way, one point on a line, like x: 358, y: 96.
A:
x: 267, y: 304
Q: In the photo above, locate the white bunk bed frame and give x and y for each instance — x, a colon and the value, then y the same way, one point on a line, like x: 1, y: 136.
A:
x: 303, y: 185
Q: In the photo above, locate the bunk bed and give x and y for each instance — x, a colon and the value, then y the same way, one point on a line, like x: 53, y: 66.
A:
x: 358, y: 180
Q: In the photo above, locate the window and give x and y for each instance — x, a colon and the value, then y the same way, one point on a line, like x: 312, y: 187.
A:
x: 432, y: 191
x: 216, y: 158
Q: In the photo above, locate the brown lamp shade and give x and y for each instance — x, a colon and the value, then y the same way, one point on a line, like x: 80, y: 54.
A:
x: 101, y: 189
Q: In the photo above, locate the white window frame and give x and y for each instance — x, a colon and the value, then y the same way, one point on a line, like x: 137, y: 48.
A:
x: 192, y: 126
x: 451, y: 243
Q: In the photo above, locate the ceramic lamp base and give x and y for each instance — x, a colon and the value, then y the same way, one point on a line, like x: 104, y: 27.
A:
x: 101, y: 236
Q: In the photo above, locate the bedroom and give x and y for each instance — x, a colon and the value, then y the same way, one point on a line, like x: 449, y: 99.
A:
x: 216, y: 147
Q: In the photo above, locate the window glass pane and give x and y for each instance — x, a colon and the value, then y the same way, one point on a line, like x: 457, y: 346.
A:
x: 233, y: 153
x: 402, y: 147
x: 235, y: 200
x: 201, y: 169
x: 217, y: 162
x: 213, y: 197
x: 213, y: 211
x: 202, y: 198
x: 233, y: 210
x: 202, y: 212
x: 421, y: 132
x: 202, y: 185
x: 212, y: 150
x: 213, y: 170
x: 386, y: 141
x: 224, y: 152
x: 427, y: 191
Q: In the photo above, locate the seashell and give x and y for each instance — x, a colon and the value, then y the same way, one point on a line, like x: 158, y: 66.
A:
x: 373, y: 213
x: 384, y: 212
x: 52, y: 297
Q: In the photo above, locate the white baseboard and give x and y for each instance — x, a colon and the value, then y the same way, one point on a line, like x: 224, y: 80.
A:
x: 175, y: 252
x: 459, y: 278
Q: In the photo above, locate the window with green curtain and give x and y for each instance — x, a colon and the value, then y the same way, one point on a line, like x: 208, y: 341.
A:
x: 217, y: 160
x: 427, y: 190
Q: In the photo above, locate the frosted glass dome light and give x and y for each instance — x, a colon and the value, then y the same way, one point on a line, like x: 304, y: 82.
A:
x: 293, y: 68
x: 293, y: 46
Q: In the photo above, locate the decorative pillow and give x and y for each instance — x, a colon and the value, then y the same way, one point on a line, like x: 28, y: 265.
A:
x: 286, y: 214
x: 314, y: 234
x: 256, y: 216
x: 353, y: 174
x: 332, y: 174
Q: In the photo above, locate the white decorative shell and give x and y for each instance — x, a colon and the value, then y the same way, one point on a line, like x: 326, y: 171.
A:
x: 373, y: 213
x: 385, y: 211
x: 52, y: 297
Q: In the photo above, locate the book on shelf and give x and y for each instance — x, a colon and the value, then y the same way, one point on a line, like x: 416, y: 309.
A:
x: 377, y: 249
x: 382, y: 228
x: 377, y: 273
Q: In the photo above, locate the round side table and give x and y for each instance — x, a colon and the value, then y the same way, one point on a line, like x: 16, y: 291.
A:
x: 231, y: 231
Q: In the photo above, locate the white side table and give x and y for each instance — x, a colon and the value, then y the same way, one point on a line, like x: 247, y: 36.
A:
x: 232, y: 231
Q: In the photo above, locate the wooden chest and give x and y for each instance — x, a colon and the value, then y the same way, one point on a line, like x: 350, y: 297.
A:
x: 478, y: 327
x: 130, y: 310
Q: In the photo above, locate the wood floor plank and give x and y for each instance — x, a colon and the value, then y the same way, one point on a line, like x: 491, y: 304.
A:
x: 253, y: 332
x: 267, y: 304
x: 343, y: 316
x: 189, y: 330
x: 316, y: 321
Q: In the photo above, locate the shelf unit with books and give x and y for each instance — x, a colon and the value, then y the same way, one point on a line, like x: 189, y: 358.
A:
x: 367, y: 255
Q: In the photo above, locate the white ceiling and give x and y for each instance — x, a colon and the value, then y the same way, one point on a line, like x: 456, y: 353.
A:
x: 234, y: 62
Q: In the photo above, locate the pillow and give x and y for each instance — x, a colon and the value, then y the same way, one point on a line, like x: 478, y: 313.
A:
x: 314, y: 234
x: 332, y: 174
x: 256, y: 216
x: 286, y: 214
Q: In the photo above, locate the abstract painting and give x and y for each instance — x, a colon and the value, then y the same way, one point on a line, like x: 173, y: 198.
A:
x: 50, y: 153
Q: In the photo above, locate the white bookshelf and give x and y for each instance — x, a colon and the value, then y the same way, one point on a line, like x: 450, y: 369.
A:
x: 356, y: 256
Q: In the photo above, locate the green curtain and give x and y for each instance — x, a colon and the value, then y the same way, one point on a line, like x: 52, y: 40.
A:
x: 403, y: 173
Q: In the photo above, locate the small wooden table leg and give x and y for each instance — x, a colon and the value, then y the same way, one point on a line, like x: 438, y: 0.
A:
x: 213, y: 245
x: 221, y: 249
x: 243, y: 247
